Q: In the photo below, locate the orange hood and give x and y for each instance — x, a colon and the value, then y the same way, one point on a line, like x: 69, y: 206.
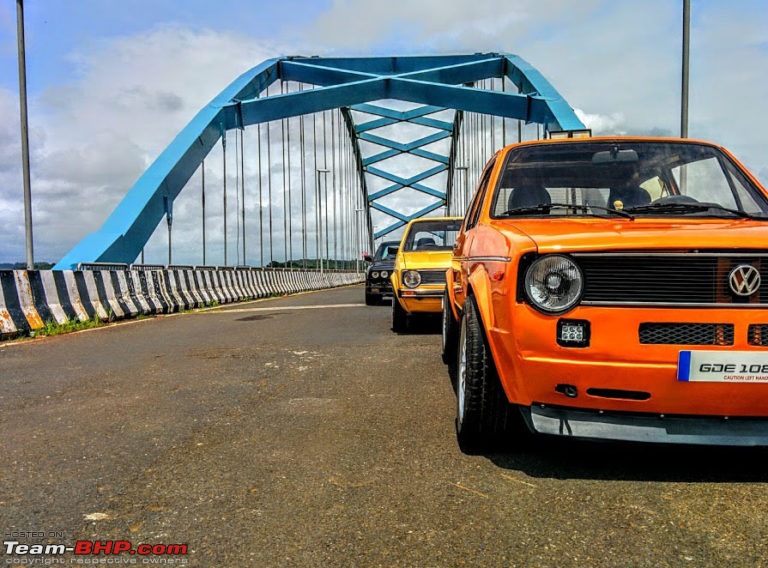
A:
x: 590, y: 234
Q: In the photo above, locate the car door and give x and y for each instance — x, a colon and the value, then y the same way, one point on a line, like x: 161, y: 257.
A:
x: 462, y: 249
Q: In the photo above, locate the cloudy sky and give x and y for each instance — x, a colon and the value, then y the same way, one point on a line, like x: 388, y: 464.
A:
x: 112, y: 82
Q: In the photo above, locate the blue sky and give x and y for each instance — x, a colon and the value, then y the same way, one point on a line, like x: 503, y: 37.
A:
x: 56, y: 30
x: 111, y: 82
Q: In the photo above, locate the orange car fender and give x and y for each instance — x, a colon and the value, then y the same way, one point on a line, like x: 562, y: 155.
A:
x: 480, y: 286
x: 481, y: 289
x: 449, y: 286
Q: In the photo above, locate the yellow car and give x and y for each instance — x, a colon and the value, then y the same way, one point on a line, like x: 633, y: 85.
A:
x: 418, y: 277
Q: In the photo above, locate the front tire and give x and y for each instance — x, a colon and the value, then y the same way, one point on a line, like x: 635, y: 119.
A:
x: 372, y: 299
x: 449, y: 337
x: 399, y: 317
x: 484, y: 415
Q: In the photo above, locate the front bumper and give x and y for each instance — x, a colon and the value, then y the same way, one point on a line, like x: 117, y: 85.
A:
x: 616, y: 372
x: 577, y: 423
x: 421, y: 300
x: 382, y: 288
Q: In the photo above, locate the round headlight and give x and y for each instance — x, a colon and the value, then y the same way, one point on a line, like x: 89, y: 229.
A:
x: 384, y: 273
x: 554, y: 283
x: 375, y: 274
x: 411, y: 278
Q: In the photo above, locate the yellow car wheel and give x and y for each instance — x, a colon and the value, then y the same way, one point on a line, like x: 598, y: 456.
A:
x: 399, y: 317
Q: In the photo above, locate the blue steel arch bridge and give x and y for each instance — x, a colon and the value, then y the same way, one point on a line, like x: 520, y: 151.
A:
x: 320, y: 158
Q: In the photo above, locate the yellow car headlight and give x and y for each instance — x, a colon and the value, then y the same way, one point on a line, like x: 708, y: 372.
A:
x: 411, y: 278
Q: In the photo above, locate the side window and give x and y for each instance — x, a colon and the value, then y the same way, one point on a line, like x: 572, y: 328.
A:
x: 704, y: 181
x: 473, y: 213
x: 655, y: 187
x: 746, y: 199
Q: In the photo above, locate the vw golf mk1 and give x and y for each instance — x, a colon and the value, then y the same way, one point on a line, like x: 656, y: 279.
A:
x: 612, y: 288
x: 418, y: 277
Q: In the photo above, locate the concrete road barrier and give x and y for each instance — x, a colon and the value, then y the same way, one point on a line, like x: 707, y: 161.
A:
x: 30, y: 299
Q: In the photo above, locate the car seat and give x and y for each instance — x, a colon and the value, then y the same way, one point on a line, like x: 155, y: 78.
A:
x: 425, y: 242
x: 529, y: 196
x: 630, y: 196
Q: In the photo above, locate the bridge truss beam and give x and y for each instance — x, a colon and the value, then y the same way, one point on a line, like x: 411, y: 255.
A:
x: 433, y: 83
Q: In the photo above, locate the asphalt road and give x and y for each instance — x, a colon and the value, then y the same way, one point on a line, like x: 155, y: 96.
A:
x: 301, y: 431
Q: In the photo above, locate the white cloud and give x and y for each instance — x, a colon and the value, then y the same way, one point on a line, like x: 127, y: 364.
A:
x: 601, y: 124
x: 93, y: 137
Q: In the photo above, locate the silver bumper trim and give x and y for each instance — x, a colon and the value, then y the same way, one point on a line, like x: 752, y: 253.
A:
x: 653, y: 429
x: 417, y: 294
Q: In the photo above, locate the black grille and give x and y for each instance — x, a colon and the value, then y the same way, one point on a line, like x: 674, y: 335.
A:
x: 432, y: 276
x: 686, y: 333
x: 757, y: 334
x: 676, y: 279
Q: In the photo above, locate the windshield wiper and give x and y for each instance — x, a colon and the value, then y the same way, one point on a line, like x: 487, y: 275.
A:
x: 545, y: 208
x: 688, y: 207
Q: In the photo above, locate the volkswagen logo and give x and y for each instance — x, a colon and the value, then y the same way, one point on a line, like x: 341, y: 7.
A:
x: 744, y: 280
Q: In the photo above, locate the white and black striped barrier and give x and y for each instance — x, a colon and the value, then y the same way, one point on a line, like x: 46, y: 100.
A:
x: 30, y: 299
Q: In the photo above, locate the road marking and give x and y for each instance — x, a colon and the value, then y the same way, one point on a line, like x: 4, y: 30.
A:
x: 509, y: 477
x: 278, y: 308
x: 475, y: 491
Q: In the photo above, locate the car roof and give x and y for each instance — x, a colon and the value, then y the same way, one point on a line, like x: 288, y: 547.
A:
x: 649, y: 139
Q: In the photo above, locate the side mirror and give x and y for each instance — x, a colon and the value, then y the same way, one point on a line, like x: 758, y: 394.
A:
x: 367, y: 258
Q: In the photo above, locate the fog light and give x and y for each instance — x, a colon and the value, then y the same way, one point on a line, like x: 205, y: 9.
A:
x: 573, y: 333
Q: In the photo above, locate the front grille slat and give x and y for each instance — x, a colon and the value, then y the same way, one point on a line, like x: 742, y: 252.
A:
x: 695, y: 278
x: 432, y: 276
x: 757, y: 334
x: 686, y: 334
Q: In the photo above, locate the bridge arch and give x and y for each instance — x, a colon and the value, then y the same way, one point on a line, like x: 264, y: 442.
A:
x: 431, y: 84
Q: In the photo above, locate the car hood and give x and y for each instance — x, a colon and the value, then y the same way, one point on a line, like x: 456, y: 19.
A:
x: 589, y: 234
x: 426, y: 260
x: 382, y: 265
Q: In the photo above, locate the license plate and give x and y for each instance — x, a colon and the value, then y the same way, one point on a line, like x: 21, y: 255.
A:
x: 722, y: 366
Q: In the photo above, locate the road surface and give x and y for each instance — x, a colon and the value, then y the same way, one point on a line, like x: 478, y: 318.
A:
x: 301, y: 431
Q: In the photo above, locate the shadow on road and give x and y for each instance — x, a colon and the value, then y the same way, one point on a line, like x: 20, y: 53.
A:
x: 545, y: 457
x: 419, y: 324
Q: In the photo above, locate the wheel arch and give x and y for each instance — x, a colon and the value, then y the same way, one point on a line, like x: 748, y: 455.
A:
x: 479, y: 287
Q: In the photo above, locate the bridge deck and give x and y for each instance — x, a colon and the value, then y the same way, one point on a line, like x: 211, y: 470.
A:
x: 301, y: 431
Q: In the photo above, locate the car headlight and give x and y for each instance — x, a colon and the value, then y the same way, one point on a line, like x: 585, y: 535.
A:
x: 554, y: 283
x: 411, y: 278
x: 384, y: 273
x: 375, y: 274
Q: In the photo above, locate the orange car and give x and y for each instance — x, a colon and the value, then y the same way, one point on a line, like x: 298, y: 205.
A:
x: 611, y: 288
x: 418, y: 277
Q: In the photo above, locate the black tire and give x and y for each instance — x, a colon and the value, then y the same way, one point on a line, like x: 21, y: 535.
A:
x: 449, y: 337
x: 372, y: 299
x: 484, y: 417
x: 399, y: 317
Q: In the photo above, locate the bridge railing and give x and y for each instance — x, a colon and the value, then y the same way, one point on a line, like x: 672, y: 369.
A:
x: 111, y: 291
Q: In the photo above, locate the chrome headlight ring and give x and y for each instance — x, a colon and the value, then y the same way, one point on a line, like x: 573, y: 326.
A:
x: 554, y: 284
x: 411, y: 278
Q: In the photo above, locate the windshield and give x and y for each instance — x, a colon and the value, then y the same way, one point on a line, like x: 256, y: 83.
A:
x: 386, y: 251
x: 636, y: 178
x: 432, y: 235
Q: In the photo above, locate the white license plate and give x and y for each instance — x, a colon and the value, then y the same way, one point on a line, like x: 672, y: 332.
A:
x: 723, y: 366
